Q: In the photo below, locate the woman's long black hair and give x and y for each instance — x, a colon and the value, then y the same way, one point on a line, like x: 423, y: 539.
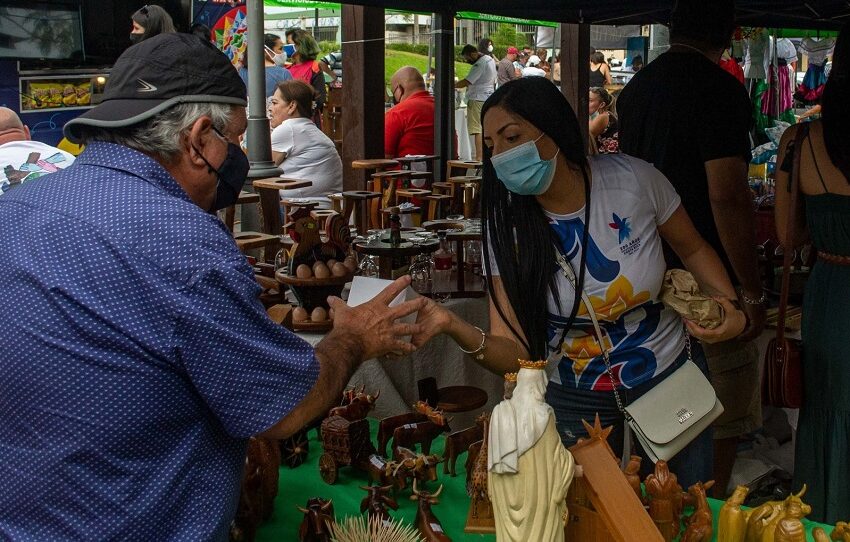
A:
x: 515, y: 229
x: 834, y: 105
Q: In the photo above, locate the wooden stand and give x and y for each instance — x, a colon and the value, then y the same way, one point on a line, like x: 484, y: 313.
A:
x: 485, y: 523
x: 268, y: 189
x: 387, y: 253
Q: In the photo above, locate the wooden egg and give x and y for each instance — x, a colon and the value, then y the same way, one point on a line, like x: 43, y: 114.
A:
x: 299, y: 314
x: 330, y: 263
x: 339, y: 269
x: 321, y: 270
x: 350, y: 263
x: 319, y: 314
x: 303, y: 271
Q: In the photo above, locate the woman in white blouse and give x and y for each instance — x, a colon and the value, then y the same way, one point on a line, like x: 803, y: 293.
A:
x: 299, y: 147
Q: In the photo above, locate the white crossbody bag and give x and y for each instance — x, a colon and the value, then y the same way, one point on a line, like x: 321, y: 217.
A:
x: 674, y: 412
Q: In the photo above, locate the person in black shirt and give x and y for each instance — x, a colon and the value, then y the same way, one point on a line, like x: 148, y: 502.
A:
x: 691, y: 119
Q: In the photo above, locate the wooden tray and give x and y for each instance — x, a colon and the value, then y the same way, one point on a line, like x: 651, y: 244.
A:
x: 307, y: 325
x: 282, y: 277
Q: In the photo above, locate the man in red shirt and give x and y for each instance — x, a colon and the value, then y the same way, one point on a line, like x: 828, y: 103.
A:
x: 409, y: 125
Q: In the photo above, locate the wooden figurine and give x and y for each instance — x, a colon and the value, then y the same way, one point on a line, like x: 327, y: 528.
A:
x: 422, y: 433
x: 358, y: 407
x: 388, y: 425
x: 841, y: 532
x: 665, y: 497
x: 790, y: 527
x: 422, y: 412
x: 476, y: 486
x: 632, y: 472
x: 457, y: 443
x: 258, y: 488
x: 469, y: 464
x: 318, y: 519
x: 732, y: 525
x: 427, y: 523
x: 820, y: 535
x: 761, y: 525
x: 603, y: 506
x: 700, y: 523
x: 345, y: 443
x: 409, y: 464
x: 377, y: 501
x: 530, y: 470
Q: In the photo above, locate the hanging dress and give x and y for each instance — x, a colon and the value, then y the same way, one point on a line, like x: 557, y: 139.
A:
x: 811, y: 89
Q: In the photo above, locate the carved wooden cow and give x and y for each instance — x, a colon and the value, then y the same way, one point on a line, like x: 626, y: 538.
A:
x: 457, y: 443
x: 409, y: 464
x: 387, y: 426
x: 315, y: 527
x: 357, y: 409
x: 377, y: 501
x: 426, y: 522
x: 422, y: 433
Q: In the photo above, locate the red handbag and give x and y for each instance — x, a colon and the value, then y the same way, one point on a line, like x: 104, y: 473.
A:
x: 782, y: 380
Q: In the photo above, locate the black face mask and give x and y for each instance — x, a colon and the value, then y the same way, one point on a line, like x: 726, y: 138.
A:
x: 135, y: 38
x: 231, y: 175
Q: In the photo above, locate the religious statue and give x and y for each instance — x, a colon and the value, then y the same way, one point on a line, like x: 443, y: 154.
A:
x: 529, y: 468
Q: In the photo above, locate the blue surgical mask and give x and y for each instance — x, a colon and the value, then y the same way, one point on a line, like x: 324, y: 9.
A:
x: 289, y: 49
x: 522, y: 171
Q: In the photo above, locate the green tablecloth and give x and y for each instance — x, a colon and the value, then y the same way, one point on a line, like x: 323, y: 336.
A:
x: 299, y: 484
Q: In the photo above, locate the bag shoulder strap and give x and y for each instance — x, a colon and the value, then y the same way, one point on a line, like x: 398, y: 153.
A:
x: 793, y: 187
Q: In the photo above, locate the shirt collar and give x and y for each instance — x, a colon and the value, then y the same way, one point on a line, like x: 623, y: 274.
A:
x: 132, y: 162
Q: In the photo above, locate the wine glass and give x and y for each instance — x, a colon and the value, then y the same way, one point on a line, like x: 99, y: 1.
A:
x: 420, y: 268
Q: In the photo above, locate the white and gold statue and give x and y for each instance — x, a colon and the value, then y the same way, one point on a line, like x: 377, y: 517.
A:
x: 529, y: 468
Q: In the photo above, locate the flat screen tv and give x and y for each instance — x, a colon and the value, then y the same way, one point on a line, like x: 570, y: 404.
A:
x: 49, y: 30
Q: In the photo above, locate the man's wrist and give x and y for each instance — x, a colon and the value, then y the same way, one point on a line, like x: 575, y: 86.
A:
x: 342, y: 346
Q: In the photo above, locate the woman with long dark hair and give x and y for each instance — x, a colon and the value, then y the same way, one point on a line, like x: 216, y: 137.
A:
x: 538, y: 193
x: 149, y: 21
x: 823, y: 215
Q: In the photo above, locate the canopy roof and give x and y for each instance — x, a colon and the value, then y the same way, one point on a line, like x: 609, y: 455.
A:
x: 823, y: 14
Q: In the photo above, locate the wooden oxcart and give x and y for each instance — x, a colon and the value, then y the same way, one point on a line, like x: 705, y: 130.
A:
x: 345, y: 443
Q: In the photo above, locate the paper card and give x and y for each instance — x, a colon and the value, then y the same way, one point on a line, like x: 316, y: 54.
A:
x: 364, y: 289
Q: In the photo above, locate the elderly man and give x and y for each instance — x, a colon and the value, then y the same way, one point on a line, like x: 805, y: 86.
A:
x: 137, y: 359
x: 409, y: 124
x: 21, y: 158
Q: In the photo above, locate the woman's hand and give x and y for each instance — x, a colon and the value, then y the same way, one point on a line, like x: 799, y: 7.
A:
x: 734, y: 321
x: 432, y: 320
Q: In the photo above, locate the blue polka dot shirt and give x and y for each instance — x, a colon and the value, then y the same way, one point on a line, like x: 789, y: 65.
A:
x: 135, y: 359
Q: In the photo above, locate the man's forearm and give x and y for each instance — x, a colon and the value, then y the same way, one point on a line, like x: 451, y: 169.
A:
x: 338, y: 355
x: 736, y: 228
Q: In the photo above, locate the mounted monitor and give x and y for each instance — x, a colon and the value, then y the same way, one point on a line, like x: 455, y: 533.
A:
x: 41, y: 29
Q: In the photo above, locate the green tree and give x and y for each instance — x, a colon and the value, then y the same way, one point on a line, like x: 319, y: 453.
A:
x: 505, y: 36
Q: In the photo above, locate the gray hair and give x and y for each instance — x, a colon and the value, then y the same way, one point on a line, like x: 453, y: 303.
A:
x: 160, y: 135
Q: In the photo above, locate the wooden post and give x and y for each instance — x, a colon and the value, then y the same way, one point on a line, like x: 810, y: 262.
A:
x: 442, y: 24
x: 575, y: 70
x: 364, y: 90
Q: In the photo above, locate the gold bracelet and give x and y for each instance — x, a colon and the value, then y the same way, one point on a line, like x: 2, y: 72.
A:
x: 478, y: 353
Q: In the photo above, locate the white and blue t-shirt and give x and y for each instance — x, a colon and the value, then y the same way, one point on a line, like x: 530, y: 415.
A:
x: 625, y: 270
